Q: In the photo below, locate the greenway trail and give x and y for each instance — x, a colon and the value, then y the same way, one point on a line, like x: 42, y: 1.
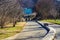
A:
x: 31, y: 31
x: 57, y: 27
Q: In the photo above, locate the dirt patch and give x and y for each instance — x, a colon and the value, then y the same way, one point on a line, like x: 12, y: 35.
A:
x: 21, y: 24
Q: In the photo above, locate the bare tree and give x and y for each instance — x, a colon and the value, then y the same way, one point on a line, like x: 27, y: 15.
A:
x: 3, y: 13
x: 45, y: 7
x: 10, y: 11
x: 16, y: 12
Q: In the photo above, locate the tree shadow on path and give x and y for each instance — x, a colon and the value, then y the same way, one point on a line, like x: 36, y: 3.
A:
x: 45, y: 27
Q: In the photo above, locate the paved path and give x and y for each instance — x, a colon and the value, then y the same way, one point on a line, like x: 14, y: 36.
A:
x: 57, y: 27
x: 32, y: 31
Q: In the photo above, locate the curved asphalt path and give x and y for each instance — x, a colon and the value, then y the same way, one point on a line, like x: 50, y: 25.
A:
x: 32, y: 31
x: 56, y: 27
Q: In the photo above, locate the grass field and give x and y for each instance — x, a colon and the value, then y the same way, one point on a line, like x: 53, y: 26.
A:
x: 10, y: 31
x: 57, y: 21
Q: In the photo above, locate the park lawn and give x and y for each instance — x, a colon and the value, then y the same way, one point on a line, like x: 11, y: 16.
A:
x: 57, y: 21
x: 10, y: 31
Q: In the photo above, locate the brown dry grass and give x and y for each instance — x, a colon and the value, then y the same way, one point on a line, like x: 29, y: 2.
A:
x: 10, y: 31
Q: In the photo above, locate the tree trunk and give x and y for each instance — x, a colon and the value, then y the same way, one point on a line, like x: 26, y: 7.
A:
x: 2, y: 26
x: 14, y: 23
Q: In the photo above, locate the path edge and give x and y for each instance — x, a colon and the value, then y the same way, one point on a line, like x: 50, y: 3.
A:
x: 51, y: 35
x: 14, y: 36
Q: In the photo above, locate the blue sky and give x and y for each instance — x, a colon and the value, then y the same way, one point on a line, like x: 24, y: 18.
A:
x: 58, y: 0
x: 28, y: 3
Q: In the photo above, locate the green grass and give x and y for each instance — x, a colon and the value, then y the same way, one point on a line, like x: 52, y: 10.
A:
x: 57, y: 21
x: 6, y: 32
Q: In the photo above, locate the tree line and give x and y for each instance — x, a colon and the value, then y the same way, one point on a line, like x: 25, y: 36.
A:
x: 10, y: 12
x: 46, y: 9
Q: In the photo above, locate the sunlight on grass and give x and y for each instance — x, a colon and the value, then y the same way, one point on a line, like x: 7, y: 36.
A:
x: 7, y: 32
x: 57, y: 21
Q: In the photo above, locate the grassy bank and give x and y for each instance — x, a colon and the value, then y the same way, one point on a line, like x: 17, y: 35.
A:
x: 57, y: 21
x: 7, y: 32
